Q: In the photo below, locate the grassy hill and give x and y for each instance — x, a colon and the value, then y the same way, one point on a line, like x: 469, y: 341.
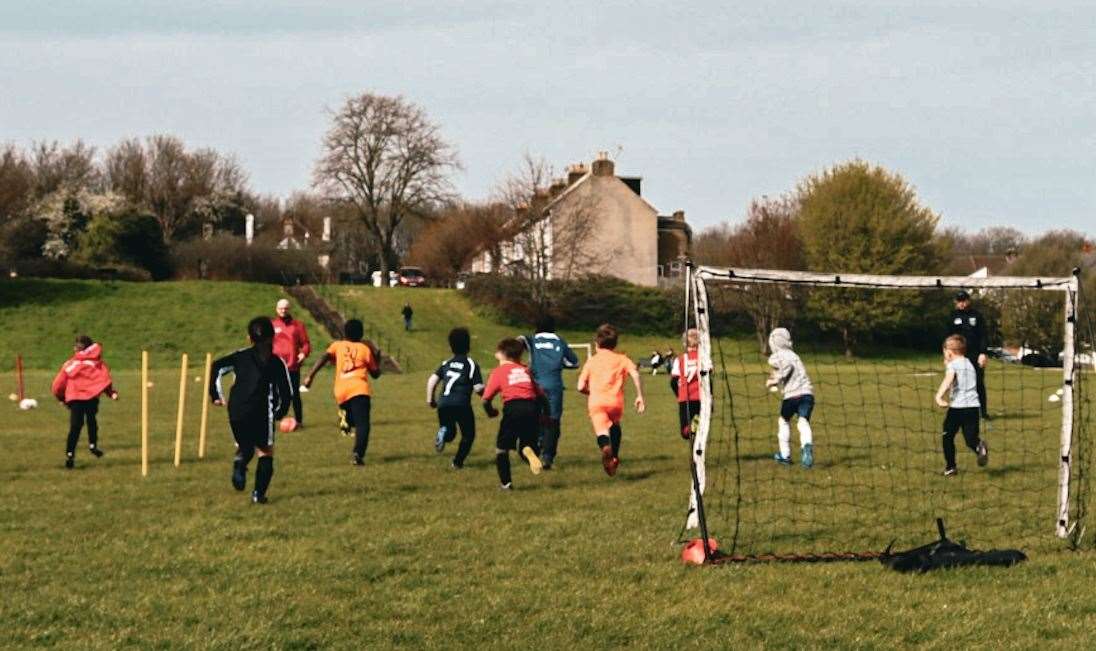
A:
x: 405, y: 553
x: 39, y: 319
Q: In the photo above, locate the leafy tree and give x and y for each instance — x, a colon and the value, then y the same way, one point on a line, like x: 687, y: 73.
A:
x: 860, y: 218
x: 128, y: 238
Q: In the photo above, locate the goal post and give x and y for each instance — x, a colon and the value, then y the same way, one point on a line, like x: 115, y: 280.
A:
x: 878, y: 411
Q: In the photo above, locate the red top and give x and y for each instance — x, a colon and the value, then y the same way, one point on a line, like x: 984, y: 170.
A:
x: 513, y: 381
x: 83, y: 377
x: 687, y: 371
x: 290, y: 340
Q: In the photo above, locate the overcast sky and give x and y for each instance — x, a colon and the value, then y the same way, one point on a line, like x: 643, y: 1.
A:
x: 988, y: 108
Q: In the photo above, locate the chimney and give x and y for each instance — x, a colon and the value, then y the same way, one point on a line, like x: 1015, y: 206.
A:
x: 602, y: 165
x: 679, y: 215
x: 575, y: 172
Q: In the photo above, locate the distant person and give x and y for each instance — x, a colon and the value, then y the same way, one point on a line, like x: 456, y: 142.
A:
x: 78, y: 385
x: 959, y: 394
x: 407, y: 313
x: 291, y: 344
x: 789, y: 374
x: 260, y: 396
x: 355, y: 362
x: 459, y: 377
x: 602, y: 379
x: 522, y: 406
x: 549, y: 354
x: 968, y: 323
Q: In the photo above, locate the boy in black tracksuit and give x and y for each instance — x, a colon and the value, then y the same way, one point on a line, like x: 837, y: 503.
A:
x: 460, y: 377
x: 260, y: 396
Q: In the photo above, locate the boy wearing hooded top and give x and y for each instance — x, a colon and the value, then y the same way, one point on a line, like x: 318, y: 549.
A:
x: 260, y: 395
x: 78, y: 385
x: 460, y: 377
x: 788, y: 372
x: 549, y: 354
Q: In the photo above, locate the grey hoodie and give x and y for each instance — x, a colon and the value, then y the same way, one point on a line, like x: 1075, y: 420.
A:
x: 787, y: 367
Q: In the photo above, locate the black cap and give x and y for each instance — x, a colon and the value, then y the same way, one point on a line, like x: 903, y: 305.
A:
x: 962, y: 295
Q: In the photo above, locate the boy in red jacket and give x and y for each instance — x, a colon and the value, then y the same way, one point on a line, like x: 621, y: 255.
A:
x: 523, y: 402
x: 79, y: 383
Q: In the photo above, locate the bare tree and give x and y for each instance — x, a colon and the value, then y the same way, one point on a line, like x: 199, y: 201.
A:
x: 68, y: 168
x: 383, y: 156
x: 447, y: 245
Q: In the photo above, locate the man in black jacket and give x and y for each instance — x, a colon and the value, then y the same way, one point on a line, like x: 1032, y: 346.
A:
x: 260, y: 396
x: 968, y: 322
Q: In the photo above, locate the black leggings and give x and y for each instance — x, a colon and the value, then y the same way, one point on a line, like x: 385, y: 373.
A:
x: 357, y: 414
x: 686, y: 411
x: 295, y: 382
x: 81, y: 411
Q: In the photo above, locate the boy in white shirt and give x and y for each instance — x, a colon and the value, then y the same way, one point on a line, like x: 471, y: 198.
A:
x: 789, y: 372
x: 963, y: 406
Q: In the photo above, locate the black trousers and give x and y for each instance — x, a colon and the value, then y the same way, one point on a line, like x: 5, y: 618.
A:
x: 965, y: 419
x: 519, y: 429
x: 81, y: 411
x: 457, y: 417
x: 357, y: 414
x: 686, y: 411
x: 295, y: 382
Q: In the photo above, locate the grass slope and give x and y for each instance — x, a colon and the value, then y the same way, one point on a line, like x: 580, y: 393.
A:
x: 406, y: 553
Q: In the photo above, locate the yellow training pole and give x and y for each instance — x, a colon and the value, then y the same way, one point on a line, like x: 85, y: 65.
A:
x: 179, y: 417
x: 144, y: 413
x: 205, y: 407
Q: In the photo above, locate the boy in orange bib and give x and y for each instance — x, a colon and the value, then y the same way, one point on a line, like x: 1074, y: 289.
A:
x: 602, y: 379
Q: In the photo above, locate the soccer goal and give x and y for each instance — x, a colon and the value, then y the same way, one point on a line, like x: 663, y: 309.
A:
x: 871, y: 346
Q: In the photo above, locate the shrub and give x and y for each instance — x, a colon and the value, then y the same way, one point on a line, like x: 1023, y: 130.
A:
x: 129, y: 239
x: 225, y: 257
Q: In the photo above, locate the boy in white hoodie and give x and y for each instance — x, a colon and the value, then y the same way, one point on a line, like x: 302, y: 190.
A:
x: 788, y: 372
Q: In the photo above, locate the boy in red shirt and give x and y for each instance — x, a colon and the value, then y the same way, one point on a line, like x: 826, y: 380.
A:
x: 79, y: 383
x: 685, y: 381
x: 602, y: 379
x: 522, y: 406
x: 291, y: 344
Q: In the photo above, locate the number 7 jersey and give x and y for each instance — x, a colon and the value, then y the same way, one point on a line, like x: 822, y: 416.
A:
x: 459, y: 377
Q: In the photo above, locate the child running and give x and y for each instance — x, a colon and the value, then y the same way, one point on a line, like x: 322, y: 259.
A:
x: 602, y: 379
x: 523, y: 402
x: 461, y: 377
x: 78, y: 385
x: 788, y: 372
x: 260, y: 395
x: 355, y: 363
x: 963, y: 406
x: 685, y: 381
x: 549, y: 354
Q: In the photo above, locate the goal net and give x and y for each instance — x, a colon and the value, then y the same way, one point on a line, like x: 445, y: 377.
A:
x: 871, y: 346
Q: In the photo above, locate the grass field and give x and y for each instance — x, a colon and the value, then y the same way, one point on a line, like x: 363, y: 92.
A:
x: 406, y: 553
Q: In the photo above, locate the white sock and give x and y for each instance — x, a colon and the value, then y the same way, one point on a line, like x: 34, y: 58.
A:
x: 784, y: 436
x: 806, y: 436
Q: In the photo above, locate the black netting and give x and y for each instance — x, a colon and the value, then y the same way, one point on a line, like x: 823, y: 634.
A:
x: 878, y: 471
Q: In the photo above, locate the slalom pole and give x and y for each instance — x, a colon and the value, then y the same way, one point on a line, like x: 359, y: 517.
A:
x: 20, y: 390
x: 181, y: 411
x: 144, y: 413
x: 205, y: 407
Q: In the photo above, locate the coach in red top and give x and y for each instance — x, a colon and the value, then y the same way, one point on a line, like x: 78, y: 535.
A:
x: 292, y: 346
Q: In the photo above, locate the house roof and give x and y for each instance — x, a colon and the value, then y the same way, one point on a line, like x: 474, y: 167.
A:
x: 585, y: 178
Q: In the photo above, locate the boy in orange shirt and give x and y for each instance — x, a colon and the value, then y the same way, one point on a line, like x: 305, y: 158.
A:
x: 602, y: 379
x: 355, y: 363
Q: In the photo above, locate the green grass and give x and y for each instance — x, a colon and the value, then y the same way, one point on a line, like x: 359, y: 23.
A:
x: 405, y: 553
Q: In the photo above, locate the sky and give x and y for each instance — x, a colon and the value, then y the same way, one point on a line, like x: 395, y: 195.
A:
x: 987, y: 108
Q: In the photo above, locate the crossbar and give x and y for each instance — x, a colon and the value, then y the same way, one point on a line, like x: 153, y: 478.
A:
x: 731, y: 274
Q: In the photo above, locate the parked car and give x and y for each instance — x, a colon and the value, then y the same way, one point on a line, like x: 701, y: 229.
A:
x: 412, y: 277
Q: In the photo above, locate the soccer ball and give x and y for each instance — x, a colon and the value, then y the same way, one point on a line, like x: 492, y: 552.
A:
x: 287, y: 424
x: 28, y: 403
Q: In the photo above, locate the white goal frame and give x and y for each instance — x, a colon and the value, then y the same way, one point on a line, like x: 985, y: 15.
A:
x: 696, y: 307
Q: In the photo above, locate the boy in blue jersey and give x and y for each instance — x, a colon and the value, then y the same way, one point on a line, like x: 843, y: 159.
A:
x: 549, y: 354
x: 460, y: 377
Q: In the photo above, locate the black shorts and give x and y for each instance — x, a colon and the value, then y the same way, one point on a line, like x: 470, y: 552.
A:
x: 254, y: 432
x: 802, y: 405
x: 520, y: 425
x: 453, y: 416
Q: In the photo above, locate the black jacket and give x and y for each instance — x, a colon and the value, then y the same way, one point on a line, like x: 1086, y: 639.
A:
x: 261, y: 391
x: 972, y: 326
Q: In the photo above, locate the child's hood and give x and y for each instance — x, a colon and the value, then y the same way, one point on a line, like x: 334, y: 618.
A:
x: 92, y: 353
x: 780, y: 339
